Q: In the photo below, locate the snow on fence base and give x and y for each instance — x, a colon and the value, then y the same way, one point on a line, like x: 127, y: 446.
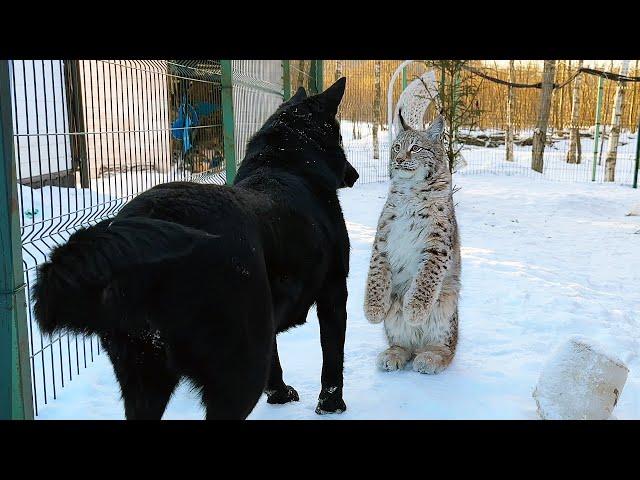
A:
x: 579, y: 382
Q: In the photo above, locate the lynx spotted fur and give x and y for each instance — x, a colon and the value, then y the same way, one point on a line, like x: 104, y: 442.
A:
x: 414, y: 273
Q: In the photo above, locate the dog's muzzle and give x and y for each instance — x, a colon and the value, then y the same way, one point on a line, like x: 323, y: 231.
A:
x: 351, y: 175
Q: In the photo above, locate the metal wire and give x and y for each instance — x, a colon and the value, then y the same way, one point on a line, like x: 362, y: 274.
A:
x: 257, y: 93
x: 89, y: 135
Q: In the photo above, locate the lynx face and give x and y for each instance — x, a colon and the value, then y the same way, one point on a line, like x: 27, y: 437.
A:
x: 418, y: 153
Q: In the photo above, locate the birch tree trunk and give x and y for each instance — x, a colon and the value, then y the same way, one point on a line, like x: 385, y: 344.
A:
x: 540, y: 133
x: 574, y: 153
x: 633, y: 99
x: 376, y: 107
x: 510, y: 100
x: 614, y: 136
x: 339, y: 69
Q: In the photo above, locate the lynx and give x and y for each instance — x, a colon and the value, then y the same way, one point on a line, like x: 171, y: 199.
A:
x: 414, y: 274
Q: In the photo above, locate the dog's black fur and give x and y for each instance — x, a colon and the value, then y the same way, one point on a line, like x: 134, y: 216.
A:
x: 194, y: 280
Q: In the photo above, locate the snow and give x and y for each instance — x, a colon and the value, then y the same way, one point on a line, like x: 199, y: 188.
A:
x: 542, y: 261
x: 580, y: 381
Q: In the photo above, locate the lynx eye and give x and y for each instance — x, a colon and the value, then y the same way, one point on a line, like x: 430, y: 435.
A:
x: 416, y: 149
x: 396, y: 147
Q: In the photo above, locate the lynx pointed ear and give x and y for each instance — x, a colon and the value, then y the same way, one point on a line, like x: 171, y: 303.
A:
x: 436, y: 128
x: 332, y: 96
x: 300, y: 95
x: 405, y: 127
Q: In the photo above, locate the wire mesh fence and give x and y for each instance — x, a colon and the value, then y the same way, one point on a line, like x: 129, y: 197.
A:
x: 257, y: 93
x: 365, y: 136
x: 88, y: 136
x: 301, y: 75
x: 362, y: 113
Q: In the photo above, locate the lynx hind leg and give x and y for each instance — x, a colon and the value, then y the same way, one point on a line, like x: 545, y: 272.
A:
x: 393, y: 358
x: 433, y: 359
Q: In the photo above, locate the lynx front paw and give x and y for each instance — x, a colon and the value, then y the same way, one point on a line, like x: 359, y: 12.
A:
x: 432, y: 361
x: 374, y: 312
x: 394, y: 358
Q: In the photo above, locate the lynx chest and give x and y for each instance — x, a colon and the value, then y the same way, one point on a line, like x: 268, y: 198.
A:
x: 408, y: 228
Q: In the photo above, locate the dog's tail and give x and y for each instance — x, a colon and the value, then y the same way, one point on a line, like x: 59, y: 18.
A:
x: 85, y: 285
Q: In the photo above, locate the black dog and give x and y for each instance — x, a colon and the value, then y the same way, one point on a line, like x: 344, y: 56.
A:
x: 194, y: 280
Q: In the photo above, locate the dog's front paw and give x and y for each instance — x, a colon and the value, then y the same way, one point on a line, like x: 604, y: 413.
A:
x: 282, y: 395
x: 330, y: 401
x: 415, y: 311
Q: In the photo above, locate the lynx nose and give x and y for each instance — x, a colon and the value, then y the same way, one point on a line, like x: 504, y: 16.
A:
x: 402, y: 157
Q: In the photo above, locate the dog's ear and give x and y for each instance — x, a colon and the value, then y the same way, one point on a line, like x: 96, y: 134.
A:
x: 332, y: 96
x: 300, y: 95
x: 351, y: 175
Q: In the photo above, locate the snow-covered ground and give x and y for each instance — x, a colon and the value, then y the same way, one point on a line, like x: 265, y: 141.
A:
x: 542, y: 261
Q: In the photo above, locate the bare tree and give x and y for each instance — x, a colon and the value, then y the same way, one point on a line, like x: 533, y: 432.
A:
x: 574, y: 155
x: 377, y: 100
x: 510, y: 103
x: 614, y: 136
x: 457, y: 103
x: 540, y: 133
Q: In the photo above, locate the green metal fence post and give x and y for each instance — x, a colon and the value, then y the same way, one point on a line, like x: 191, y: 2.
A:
x: 637, y: 166
x: 319, y: 75
x: 228, y: 122
x: 15, y: 373
x: 286, y: 80
x: 404, y: 78
x: 597, y: 135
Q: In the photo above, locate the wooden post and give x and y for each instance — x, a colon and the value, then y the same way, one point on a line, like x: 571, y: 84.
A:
x: 15, y: 373
x: 75, y: 117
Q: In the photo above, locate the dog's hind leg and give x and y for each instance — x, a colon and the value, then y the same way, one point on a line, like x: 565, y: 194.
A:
x: 231, y: 400
x: 277, y: 391
x: 146, y: 381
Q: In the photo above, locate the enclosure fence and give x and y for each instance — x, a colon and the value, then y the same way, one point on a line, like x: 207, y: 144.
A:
x: 365, y: 135
x: 80, y: 138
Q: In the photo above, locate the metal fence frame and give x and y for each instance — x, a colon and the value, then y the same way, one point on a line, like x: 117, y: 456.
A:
x: 246, y: 99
